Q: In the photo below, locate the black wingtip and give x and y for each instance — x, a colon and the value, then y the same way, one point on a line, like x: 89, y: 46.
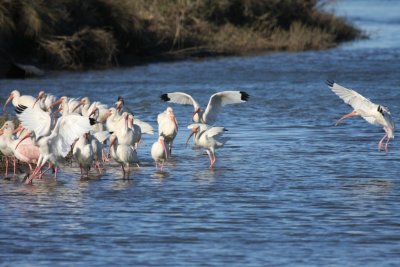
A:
x: 120, y: 98
x: 330, y: 82
x: 20, y: 108
x: 244, y: 96
x: 110, y: 132
x: 165, y: 97
x: 92, y: 121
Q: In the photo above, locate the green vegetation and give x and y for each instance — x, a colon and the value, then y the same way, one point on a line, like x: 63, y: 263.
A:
x: 75, y: 34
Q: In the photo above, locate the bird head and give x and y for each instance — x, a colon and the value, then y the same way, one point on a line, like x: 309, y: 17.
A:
x: 12, y: 95
x: 195, y: 130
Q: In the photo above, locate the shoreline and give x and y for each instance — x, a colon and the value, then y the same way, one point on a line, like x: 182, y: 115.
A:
x: 70, y: 35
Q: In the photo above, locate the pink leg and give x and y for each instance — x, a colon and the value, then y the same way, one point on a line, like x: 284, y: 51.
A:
x: 215, y: 158
x: 381, y: 141
x: 386, y: 145
x: 156, y: 166
x: 6, y: 166
x: 98, y: 166
x: 211, y: 159
x: 162, y: 166
x: 351, y: 114
x: 15, y: 166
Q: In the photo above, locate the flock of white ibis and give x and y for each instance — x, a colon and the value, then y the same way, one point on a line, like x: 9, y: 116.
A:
x: 46, y: 136
x: 52, y: 128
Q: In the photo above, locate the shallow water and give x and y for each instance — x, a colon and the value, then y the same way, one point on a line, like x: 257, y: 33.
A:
x: 288, y: 189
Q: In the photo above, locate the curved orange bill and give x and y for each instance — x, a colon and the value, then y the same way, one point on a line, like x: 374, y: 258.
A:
x: 37, y: 99
x: 8, y: 101
x: 28, y: 134
x: 93, y: 111
x: 56, y: 102
x: 40, y: 96
x: 187, y: 141
x: 118, y: 105
x: 1, y: 131
x: 77, y: 106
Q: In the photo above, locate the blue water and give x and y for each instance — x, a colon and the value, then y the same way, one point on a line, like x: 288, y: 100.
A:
x: 288, y: 189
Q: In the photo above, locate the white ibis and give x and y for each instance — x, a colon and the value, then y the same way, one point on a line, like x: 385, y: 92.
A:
x: 159, y: 152
x: 83, y: 153
x: 216, y: 102
x: 125, y: 155
x: 17, y: 99
x: 209, y: 138
x: 44, y: 101
x: 24, y: 151
x: 68, y: 105
x: 167, y: 126
x: 6, y: 137
x: 53, y: 144
x: 373, y: 113
x: 112, y: 119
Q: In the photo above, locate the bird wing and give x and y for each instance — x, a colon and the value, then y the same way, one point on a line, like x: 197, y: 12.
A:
x: 218, y: 100
x: 180, y: 98
x: 144, y: 126
x: 35, y: 120
x: 202, y: 126
x: 215, y: 131
x: 389, y: 121
x: 68, y: 128
x: 354, y: 99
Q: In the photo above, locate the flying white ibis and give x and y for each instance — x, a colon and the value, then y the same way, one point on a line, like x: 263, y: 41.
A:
x: 216, y: 102
x: 371, y: 112
x: 209, y: 138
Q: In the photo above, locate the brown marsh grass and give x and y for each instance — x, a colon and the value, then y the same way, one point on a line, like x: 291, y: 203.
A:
x: 75, y: 34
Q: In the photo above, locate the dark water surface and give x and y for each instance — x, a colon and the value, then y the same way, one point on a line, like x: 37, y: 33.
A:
x: 289, y: 188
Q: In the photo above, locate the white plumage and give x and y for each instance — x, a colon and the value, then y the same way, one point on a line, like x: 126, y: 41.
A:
x: 54, y: 144
x: 167, y: 126
x: 216, y: 102
x: 209, y: 138
x: 159, y: 152
x: 124, y: 154
x: 373, y: 113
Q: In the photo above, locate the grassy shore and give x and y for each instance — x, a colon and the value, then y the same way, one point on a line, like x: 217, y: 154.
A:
x: 75, y: 34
